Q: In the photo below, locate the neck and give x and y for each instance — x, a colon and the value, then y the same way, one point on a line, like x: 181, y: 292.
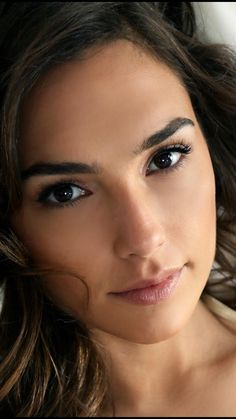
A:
x: 138, y: 372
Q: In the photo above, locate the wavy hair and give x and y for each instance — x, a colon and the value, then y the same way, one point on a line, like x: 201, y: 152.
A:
x: 49, y: 363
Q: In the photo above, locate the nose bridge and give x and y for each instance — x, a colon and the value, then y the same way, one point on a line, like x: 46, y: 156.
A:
x: 139, y: 230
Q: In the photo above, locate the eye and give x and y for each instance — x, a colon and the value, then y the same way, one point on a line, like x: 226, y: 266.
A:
x: 61, y: 194
x: 167, y: 158
x: 64, y: 193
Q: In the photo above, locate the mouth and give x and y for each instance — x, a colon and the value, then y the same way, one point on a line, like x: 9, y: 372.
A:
x: 151, y: 290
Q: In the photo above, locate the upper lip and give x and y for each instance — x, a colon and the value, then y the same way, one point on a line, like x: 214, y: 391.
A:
x: 148, y: 282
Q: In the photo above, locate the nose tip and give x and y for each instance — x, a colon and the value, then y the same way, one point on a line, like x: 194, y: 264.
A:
x: 141, y: 240
x: 146, y: 248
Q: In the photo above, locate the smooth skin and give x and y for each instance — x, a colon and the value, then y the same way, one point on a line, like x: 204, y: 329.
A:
x: 134, y: 219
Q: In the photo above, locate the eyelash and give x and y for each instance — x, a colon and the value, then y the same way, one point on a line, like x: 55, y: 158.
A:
x: 181, y: 147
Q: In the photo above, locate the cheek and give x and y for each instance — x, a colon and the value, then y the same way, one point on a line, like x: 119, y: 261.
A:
x: 202, y: 219
x: 197, y: 212
x: 61, y: 241
x: 57, y: 238
x: 70, y: 293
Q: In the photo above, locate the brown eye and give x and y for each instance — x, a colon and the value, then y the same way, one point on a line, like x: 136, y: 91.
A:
x: 168, y: 158
x: 164, y: 160
x: 64, y: 193
x: 61, y: 194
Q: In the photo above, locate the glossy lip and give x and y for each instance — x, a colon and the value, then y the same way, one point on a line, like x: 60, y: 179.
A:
x: 149, y: 282
x: 151, y: 291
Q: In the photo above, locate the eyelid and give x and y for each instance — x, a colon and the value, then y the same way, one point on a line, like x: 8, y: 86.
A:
x: 169, y: 144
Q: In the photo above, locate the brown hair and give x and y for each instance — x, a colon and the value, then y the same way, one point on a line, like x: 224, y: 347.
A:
x: 49, y: 363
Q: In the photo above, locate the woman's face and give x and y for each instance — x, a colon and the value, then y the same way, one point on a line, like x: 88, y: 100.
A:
x: 105, y: 198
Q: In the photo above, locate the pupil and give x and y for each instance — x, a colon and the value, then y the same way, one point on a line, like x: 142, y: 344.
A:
x: 163, y: 161
x: 63, y: 193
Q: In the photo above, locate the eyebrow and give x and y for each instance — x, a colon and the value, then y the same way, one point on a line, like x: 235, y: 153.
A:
x: 66, y: 168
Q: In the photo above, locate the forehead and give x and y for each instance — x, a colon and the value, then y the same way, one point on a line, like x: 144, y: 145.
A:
x: 115, y: 93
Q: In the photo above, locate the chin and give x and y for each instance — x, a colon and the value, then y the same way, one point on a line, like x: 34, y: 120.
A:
x: 150, y: 335
x: 161, y: 328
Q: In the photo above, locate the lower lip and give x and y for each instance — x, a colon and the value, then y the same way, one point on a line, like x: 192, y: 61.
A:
x: 153, y: 294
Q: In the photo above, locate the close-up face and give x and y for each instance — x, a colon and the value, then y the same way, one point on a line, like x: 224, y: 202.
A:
x: 118, y: 188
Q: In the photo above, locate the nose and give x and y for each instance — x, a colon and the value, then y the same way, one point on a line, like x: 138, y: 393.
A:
x: 139, y: 231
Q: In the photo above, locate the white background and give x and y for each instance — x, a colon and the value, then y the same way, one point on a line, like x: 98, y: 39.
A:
x: 216, y: 21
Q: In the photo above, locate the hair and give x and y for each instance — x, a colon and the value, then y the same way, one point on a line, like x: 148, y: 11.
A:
x: 49, y: 363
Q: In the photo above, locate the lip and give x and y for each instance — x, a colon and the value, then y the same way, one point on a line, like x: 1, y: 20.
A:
x: 149, y: 282
x: 151, y: 290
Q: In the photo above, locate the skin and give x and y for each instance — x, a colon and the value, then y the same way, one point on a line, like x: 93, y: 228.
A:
x: 130, y: 227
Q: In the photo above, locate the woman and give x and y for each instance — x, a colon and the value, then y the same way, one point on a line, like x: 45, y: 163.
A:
x: 117, y: 199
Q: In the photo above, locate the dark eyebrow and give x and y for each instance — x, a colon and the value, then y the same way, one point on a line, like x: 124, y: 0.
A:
x: 66, y: 168
x: 163, y: 134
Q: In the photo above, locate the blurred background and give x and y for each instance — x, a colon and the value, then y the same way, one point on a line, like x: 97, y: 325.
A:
x: 216, y: 21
